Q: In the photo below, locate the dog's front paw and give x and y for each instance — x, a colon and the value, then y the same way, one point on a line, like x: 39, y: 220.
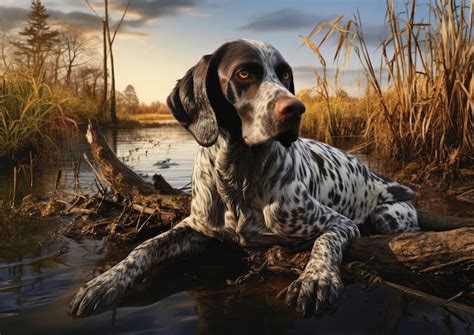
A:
x: 315, y: 292
x: 97, y: 295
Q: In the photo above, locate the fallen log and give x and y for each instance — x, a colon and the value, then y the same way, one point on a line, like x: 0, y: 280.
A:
x: 439, y: 222
x: 438, y: 253
x: 447, y: 250
x: 117, y: 175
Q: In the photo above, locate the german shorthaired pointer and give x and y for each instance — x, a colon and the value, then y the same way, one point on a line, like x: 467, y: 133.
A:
x: 257, y: 184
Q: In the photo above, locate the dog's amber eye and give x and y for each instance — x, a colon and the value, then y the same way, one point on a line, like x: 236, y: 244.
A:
x: 285, y: 75
x: 244, y: 75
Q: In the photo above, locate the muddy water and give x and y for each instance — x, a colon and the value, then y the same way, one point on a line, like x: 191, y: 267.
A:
x: 39, y: 270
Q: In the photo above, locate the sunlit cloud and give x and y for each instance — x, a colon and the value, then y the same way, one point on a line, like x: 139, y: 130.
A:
x: 282, y: 19
x: 147, y: 10
x: 351, y: 80
x: 139, y: 15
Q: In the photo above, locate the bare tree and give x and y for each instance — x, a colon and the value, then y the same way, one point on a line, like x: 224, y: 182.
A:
x: 105, y: 103
x: 130, y: 99
x: 111, y: 39
x: 85, y: 80
x: 108, y: 40
x: 76, y: 47
x: 5, y: 49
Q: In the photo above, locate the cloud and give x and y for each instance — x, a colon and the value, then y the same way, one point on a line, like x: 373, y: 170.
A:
x: 81, y: 19
x: 308, y: 71
x: 373, y: 35
x: 11, y: 17
x: 282, y: 19
x: 147, y: 10
x: 294, y: 19
x: 140, y: 13
x: 351, y: 80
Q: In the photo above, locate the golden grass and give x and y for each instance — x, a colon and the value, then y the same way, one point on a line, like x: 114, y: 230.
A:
x: 333, y: 117
x: 426, y: 112
x: 145, y: 118
x: 33, y: 116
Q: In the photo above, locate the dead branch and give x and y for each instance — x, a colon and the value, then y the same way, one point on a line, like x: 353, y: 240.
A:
x: 117, y: 175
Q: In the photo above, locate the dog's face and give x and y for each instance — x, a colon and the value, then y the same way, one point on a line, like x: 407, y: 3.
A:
x: 246, y: 88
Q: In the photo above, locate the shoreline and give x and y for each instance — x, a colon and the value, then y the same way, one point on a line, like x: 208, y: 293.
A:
x: 131, y: 124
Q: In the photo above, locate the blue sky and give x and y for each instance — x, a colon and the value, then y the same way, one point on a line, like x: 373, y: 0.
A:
x: 161, y: 39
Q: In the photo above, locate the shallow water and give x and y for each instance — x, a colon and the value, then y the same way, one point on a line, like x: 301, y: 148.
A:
x: 40, y: 270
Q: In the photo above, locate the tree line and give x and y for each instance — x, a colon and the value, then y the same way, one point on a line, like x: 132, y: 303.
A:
x: 66, y: 55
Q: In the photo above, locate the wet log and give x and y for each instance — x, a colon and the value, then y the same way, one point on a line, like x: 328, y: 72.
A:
x: 439, y: 222
x: 438, y: 253
x: 116, y: 174
x: 447, y: 251
x: 145, y: 197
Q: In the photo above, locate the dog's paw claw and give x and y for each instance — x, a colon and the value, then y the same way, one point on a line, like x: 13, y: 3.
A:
x: 96, y: 296
x: 315, y: 292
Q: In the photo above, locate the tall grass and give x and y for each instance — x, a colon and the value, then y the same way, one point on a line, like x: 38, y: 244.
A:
x: 33, y: 116
x: 333, y: 115
x: 424, y: 112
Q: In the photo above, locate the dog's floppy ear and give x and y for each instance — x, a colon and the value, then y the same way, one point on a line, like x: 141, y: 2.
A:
x: 190, y: 105
x: 292, y: 84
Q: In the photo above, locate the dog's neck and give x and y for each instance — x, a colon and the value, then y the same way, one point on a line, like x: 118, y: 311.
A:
x: 237, y: 161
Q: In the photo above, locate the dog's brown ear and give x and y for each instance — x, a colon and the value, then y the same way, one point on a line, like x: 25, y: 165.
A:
x: 292, y: 85
x: 190, y: 105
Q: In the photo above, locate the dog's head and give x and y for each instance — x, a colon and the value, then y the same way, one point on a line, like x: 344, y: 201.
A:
x: 246, y: 88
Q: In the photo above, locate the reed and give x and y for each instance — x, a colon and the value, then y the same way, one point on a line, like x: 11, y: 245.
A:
x: 332, y: 117
x: 423, y: 111
x: 33, y: 116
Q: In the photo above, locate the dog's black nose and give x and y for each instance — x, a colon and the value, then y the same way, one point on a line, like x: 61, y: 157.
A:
x: 287, y: 107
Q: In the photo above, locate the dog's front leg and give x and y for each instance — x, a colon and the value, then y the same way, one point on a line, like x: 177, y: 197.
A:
x: 319, y: 288
x: 106, y: 290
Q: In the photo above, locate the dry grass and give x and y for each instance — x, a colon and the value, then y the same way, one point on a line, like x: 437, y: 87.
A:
x: 426, y: 112
x: 145, y: 118
x: 331, y: 118
x: 33, y: 116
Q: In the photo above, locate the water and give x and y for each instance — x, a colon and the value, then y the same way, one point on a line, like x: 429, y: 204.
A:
x: 40, y: 270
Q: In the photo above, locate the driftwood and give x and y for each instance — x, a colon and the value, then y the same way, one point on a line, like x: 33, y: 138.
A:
x: 439, y: 253
x: 445, y: 248
x: 119, y: 176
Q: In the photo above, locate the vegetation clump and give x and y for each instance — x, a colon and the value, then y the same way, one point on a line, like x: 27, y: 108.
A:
x: 50, y: 83
x: 418, y: 102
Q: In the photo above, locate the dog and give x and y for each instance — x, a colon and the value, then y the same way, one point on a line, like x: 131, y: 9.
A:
x: 257, y: 184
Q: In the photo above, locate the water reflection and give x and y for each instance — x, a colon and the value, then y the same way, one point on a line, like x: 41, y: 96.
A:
x: 40, y: 270
x: 191, y: 298
x: 139, y: 148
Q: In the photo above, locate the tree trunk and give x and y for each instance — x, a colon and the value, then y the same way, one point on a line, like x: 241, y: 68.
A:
x: 56, y: 67
x: 104, y: 104
x: 113, y: 115
x: 113, y: 103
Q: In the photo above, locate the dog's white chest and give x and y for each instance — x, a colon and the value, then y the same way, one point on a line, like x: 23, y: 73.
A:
x: 257, y: 225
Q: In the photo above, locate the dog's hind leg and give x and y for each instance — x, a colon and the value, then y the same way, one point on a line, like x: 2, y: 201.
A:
x: 393, y: 218
x: 106, y: 290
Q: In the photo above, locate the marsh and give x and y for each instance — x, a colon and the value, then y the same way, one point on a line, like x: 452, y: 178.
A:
x: 40, y: 269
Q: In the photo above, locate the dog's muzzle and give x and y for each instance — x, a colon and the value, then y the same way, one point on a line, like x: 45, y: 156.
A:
x: 288, y: 111
x: 287, y: 108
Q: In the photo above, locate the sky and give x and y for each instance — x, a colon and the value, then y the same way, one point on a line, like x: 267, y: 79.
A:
x: 161, y: 39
